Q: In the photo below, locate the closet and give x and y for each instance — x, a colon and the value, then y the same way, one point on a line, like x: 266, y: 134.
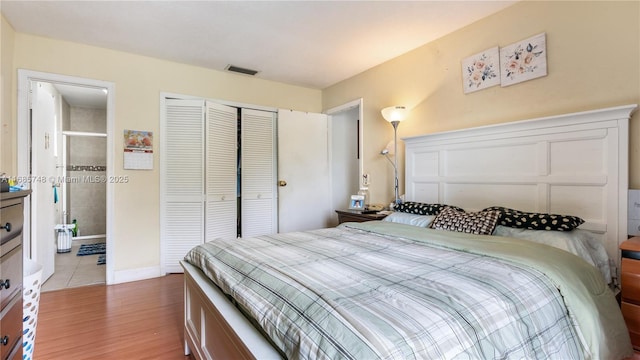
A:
x: 218, y: 175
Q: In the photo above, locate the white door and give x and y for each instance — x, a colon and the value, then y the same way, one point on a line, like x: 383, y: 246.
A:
x: 43, y: 170
x: 181, y: 181
x: 304, y: 203
x: 258, y: 173
x: 221, y: 190
x: 258, y: 169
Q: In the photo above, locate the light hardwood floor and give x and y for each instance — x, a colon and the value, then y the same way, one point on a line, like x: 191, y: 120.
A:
x: 136, y: 320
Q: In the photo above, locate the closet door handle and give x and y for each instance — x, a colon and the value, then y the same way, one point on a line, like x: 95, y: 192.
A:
x: 282, y: 183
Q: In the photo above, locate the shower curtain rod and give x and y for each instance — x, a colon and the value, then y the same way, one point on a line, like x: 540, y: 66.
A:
x: 83, y: 133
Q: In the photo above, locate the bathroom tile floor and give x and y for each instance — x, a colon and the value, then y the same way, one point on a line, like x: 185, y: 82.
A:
x: 74, y: 271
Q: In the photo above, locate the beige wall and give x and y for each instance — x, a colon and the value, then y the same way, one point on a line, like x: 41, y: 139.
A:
x: 138, y: 82
x: 592, y: 59
x: 7, y: 128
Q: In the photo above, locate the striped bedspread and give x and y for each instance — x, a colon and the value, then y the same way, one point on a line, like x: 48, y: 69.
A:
x: 359, y: 292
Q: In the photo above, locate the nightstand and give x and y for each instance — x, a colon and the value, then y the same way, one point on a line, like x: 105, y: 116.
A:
x: 630, y: 282
x: 358, y: 216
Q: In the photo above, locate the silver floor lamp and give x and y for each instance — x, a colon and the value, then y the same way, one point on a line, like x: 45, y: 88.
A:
x: 394, y: 115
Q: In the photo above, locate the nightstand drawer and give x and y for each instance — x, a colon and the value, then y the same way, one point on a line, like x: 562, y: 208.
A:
x: 630, y: 278
x: 631, y: 314
x: 358, y: 216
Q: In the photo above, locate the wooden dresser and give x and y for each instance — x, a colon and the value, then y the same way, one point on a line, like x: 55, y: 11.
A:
x: 630, y: 282
x: 11, y: 222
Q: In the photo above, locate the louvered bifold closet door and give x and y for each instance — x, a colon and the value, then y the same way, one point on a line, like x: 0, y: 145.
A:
x: 181, y: 180
x: 221, y: 178
x: 258, y: 173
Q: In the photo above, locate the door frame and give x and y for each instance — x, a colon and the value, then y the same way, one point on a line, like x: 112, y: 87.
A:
x: 359, y: 104
x: 25, y: 77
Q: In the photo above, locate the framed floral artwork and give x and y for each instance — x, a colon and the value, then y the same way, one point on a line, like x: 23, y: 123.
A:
x: 481, y: 70
x: 524, y: 60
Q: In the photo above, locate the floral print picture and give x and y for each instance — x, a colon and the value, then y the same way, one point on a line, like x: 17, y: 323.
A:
x: 481, y: 70
x: 523, y: 61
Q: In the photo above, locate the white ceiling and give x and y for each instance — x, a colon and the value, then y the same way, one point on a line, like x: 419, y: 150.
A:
x: 82, y: 96
x: 308, y: 43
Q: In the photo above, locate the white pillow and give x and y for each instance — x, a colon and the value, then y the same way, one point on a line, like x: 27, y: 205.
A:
x: 410, y: 219
x: 579, y: 242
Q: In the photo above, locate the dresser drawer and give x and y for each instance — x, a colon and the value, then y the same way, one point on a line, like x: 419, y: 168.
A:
x: 631, y: 314
x: 10, y: 219
x: 630, y: 280
x: 11, y: 326
x: 11, y: 271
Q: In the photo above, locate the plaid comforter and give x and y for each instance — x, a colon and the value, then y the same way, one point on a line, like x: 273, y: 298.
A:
x: 348, y: 293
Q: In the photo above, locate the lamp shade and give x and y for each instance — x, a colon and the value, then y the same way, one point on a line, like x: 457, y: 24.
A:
x: 394, y: 113
x: 391, y: 148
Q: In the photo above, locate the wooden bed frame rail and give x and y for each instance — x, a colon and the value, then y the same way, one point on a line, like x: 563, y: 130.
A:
x: 213, y: 327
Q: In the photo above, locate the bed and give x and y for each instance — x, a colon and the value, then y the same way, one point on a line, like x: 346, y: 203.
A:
x: 397, y: 289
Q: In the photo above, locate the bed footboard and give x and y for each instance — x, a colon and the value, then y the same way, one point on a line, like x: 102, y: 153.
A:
x: 213, y: 327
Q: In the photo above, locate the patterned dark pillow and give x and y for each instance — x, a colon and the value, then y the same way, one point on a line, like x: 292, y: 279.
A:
x: 412, y: 207
x: 536, y: 221
x: 481, y: 223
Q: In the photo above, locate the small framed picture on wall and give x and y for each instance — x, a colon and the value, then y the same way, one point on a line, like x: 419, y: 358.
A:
x: 481, y: 70
x: 524, y: 60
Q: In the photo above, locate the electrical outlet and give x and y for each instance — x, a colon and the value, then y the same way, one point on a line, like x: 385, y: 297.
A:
x: 365, y: 179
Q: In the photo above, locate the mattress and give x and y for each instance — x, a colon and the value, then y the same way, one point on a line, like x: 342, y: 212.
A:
x: 381, y: 290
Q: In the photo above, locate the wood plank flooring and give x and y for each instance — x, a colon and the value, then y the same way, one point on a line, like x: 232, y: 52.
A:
x: 136, y: 320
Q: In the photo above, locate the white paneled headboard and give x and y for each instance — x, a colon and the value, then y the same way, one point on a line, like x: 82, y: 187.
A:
x: 572, y: 164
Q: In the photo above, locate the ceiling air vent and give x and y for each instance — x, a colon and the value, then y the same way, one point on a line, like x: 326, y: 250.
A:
x: 241, y: 70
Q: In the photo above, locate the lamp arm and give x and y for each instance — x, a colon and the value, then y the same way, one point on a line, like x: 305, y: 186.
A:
x: 390, y: 161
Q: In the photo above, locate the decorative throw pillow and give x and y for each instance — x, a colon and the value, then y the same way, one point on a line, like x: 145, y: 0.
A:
x: 410, y: 219
x: 536, y: 221
x: 481, y: 223
x: 422, y: 208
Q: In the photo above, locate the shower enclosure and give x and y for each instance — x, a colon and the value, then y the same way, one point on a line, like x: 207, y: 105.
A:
x: 84, y: 161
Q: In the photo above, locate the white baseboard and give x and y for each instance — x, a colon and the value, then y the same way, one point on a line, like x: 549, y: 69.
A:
x: 123, y: 276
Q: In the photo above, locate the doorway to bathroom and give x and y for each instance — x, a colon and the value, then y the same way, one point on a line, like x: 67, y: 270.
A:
x: 67, y: 132
x: 80, y: 257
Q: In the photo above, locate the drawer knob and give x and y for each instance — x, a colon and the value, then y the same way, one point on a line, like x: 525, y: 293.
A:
x: 5, y: 284
x: 6, y: 226
x: 5, y: 340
